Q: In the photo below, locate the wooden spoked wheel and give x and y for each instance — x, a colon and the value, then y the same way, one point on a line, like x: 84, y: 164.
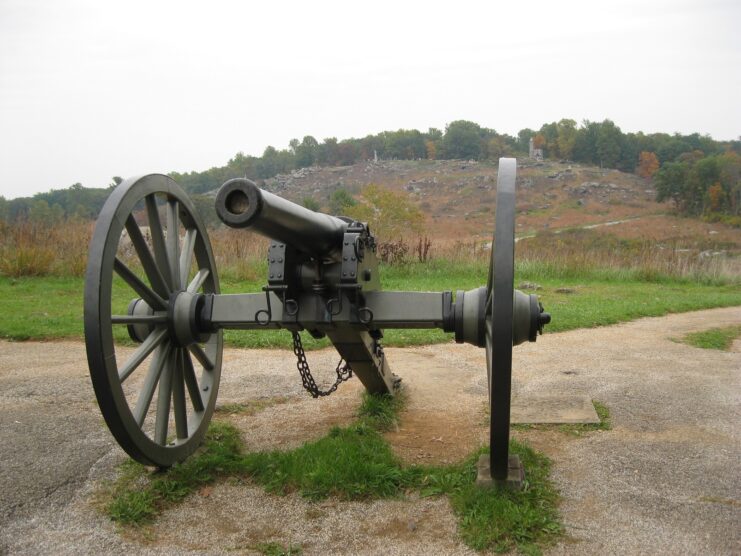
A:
x: 149, y: 252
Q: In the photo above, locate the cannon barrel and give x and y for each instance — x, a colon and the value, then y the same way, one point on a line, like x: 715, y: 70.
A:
x: 241, y: 204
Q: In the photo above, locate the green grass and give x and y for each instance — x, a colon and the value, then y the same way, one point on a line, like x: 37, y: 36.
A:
x: 715, y: 338
x: 45, y: 308
x: 353, y: 463
x: 277, y: 549
x: 575, y: 429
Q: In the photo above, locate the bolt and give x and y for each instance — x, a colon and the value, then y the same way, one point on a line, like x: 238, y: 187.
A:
x: 280, y: 260
x: 205, y: 388
x: 272, y: 260
x: 271, y: 276
x: 280, y: 276
x: 352, y: 275
x: 344, y: 273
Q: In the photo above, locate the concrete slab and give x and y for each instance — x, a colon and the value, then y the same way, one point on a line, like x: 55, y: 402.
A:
x: 515, y: 474
x: 556, y: 409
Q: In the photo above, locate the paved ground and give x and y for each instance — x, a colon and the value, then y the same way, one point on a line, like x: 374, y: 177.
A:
x: 665, y: 480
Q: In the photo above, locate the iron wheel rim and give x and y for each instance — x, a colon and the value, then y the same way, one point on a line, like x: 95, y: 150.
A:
x: 499, y: 319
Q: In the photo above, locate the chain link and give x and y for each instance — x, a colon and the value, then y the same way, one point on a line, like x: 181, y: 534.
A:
x: 344, y: 372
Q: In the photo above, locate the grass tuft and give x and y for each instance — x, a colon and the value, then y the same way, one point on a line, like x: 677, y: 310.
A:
x: 715, y: 338
x: 277, y: 549
x: 350, y: 463
x: 140, y: 494
x: 502, y: 519
x: 381, y: 412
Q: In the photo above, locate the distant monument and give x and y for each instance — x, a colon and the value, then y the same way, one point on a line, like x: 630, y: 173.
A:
x: 537, y: 154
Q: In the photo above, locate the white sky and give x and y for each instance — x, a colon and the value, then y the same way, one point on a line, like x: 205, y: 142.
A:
x: 93, y: 89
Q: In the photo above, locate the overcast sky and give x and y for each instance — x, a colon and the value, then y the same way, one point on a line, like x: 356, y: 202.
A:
x: 93, y: 89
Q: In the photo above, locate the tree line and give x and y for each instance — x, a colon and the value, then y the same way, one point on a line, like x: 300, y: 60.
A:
x: 670, y: 157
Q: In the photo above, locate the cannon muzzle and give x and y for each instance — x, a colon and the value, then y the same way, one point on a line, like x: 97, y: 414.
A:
x: 241, y: 204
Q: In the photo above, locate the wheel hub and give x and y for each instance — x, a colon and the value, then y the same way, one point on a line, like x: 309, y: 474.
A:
x: 139, y: 308
x: 182, y: 318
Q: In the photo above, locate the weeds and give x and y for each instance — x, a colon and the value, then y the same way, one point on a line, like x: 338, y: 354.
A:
x: 381, y: 411
x: 715, y: 338
x: 40, y: 249
x: 277, y: 549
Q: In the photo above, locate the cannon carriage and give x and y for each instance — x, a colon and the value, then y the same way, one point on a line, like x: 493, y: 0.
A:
x: 322, y: 277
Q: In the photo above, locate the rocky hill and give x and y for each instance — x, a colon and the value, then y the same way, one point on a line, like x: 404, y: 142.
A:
x: 458, y: 198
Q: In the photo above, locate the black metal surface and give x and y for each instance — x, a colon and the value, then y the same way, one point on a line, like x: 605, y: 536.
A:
x: 499, y: 341
x: 240, y: 203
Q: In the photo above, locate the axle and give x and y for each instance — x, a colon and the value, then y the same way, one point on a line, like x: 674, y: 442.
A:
x: 194, y: 317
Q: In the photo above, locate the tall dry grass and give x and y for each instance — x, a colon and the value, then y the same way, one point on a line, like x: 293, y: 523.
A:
x: 44, y: 248
x: 588, y: 253
x: 40, y: 249
x: 240, y: 255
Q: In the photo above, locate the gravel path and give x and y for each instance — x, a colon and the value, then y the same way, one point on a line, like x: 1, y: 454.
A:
x: 665, y: 480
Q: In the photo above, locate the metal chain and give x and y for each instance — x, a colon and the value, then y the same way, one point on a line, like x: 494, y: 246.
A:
x: 344, y: 372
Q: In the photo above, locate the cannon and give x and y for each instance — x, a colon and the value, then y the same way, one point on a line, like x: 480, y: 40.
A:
x: 152, y: 279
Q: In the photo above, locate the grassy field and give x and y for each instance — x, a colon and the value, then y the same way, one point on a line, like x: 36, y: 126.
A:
x: 45, y: 308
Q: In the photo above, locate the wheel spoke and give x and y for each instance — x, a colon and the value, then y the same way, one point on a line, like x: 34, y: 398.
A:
x: 164, y: 393
x: 191, y: 382
x: 147, y: 346
x: 178, y: 398
x: 158, y: 238
x: 198, y: 280
x: 199, y: 354
x: 150, y: 383
x: 138, y: 319
x: 145, y: 257
x: 172, y: 241
x: 186, y: 257
x: 144, y: 291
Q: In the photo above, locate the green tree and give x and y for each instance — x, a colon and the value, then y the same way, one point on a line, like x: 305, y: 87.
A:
x: 729, y: 166
x: 462, y: 139
x: 609, y: 138
x: 307, y: 152
x: 269, y: 164
x: 391, y: 215
x: 549, y: 133
x: 328, y: 152
x: 670, y: 183
x: 311, y: 203
x: 585, y: 144
x: 340, y: 201
x: 566, y: 138
x: 523, y: 139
